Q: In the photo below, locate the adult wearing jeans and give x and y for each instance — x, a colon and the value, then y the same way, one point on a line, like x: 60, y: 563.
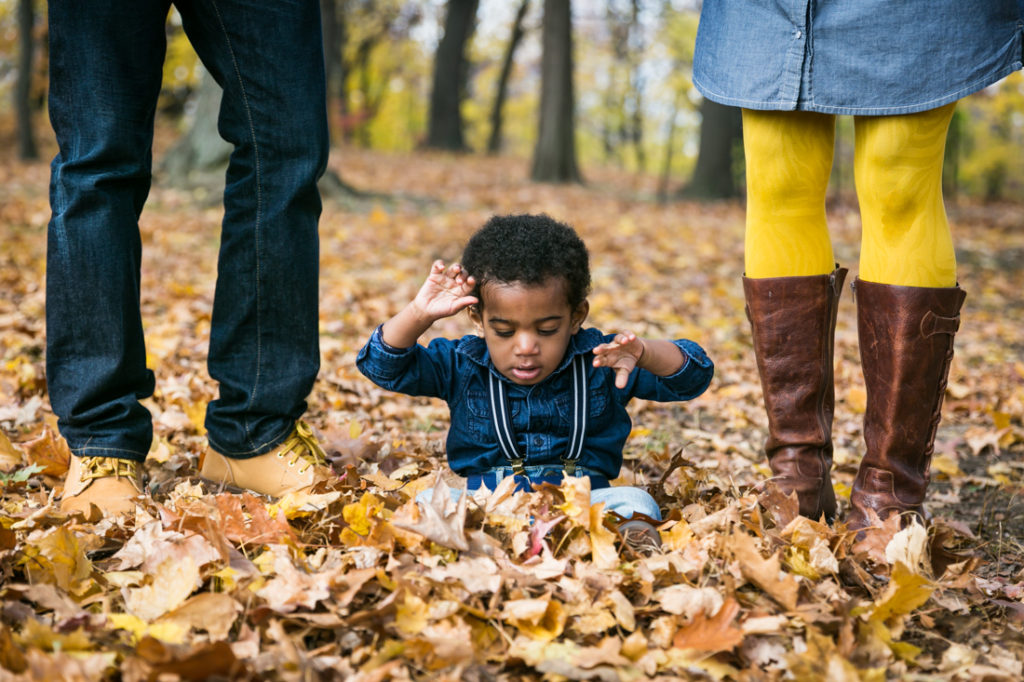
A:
x: 105, y: 74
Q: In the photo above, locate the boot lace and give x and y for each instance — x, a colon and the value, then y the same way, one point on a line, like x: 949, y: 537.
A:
x: 107, y: 467
x: 303, y: 448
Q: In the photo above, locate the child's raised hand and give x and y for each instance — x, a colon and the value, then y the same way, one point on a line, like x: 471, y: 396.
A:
x: 446, y: 291
x: 622, y: 355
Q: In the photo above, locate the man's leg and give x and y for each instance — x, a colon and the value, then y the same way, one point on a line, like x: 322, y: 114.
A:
x: 105, y: 71
x: 264, y: 346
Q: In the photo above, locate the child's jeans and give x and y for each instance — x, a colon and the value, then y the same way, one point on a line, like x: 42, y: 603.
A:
x: 623, y: 500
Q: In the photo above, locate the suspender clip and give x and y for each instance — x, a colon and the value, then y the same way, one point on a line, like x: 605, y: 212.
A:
x: 569, y: 465
x: 518, y: 466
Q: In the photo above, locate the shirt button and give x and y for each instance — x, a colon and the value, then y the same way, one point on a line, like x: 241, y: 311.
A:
x: 798, y: 34
x: 538, y: 441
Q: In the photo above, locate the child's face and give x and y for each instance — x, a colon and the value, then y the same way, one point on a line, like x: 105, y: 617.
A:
x: 527, y: 327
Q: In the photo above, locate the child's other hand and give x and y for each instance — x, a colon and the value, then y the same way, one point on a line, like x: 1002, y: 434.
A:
x: 622, y: 355
x: 446, y: 292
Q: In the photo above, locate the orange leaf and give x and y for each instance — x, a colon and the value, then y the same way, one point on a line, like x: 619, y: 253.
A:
x: 712, y: 634
x: 49, y: 451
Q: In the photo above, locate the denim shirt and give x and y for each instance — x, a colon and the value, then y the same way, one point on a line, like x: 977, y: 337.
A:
x: 863, y: 57
x: 458, y: 372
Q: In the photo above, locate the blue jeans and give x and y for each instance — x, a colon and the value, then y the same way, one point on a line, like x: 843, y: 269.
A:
x: 105, y: 73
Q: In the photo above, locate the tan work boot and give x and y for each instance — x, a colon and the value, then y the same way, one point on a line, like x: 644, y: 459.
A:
x: 110, y: 483
x: 299, y: 462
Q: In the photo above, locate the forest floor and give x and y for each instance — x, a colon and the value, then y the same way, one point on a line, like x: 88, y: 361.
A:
x: 359, y: 583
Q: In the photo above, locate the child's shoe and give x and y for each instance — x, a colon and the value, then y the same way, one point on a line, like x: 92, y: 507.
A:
x: 641, y: 536
x: 297, y: 463
x: 110, y: 483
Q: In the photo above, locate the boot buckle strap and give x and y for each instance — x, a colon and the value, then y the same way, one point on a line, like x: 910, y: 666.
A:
x: 932, y: 324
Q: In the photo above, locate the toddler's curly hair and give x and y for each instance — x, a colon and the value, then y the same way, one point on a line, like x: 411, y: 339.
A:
x: 528, y: 249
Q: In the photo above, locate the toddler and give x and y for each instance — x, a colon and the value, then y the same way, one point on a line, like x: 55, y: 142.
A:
x: 534, y: 394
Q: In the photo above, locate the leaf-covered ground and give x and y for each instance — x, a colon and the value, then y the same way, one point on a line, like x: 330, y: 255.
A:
x: 207, y: 584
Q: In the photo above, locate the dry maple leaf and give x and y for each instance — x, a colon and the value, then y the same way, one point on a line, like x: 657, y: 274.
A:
x: 442, y: 521
x: 877, y: 537
x: 49, y: 451
x: 783, y: 508
x: 711, y: 634
x: 765, y: 573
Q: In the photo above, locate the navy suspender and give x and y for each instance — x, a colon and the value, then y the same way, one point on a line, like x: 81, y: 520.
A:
x: 501, y: 416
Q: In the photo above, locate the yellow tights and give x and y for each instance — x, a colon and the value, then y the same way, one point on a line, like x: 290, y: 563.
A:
x: 898, y: 172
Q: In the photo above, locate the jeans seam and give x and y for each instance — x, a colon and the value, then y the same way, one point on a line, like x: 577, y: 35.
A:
x: 257, y: 225
x: 81, y: 451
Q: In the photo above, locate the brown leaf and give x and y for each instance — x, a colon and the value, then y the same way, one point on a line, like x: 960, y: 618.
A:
x: 783, y: 508
x: 711, y: 634
x: 211, y: 611
x: 245, y: 519
x: 11, y: 656
x: 10, y: 455
x: 203, y: 663
x: 765, y: 573
x: 49, y: 451
x: 877, y: 537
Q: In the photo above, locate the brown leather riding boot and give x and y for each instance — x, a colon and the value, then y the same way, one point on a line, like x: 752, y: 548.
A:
x: 906, y: 345
x: 793, y: 320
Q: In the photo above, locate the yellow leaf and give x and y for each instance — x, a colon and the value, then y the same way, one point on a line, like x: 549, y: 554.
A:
x: 1000, y: 419
x: 857, y: 399
x: 39, y: 635
x: 359, y: 515
x: 539, y: 619
x: 10, y: 456
x: 677, y: 537
x: 577, y: 499
x: 946, y: 465
x: 905, y: 592
x: 799, y: 564
x: 602, y: 540
x: 172, y: 633
x: 411, y: 616
x: 821, y: 661
x: 58, y: 558
x: 355, y: 429
x: 842, y: 490
x: 378, y: 216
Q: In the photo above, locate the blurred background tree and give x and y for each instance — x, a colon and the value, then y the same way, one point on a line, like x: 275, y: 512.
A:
x: 470, y: 75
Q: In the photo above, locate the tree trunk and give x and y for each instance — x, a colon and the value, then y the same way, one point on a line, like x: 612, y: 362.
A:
x: 450, y: 70
x: 494, y: 142
x: 201, y: 150
x: 670, y: 146
x: 554, y: 158
x: 721, y: 129
x: 332, y: 46
x: 23, y: 89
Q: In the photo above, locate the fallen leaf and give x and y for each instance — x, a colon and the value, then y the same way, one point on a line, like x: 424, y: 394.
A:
x: 711, y: 634
x: 765, y: 573
x: 49, y: 451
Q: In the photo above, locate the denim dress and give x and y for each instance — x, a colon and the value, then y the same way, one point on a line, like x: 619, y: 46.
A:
x: 862, y: 57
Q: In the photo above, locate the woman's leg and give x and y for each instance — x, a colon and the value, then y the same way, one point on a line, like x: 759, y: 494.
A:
x: 792, y: 289
x: 898, y: 171
x: 908, y: 307
x: 789, y: 159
